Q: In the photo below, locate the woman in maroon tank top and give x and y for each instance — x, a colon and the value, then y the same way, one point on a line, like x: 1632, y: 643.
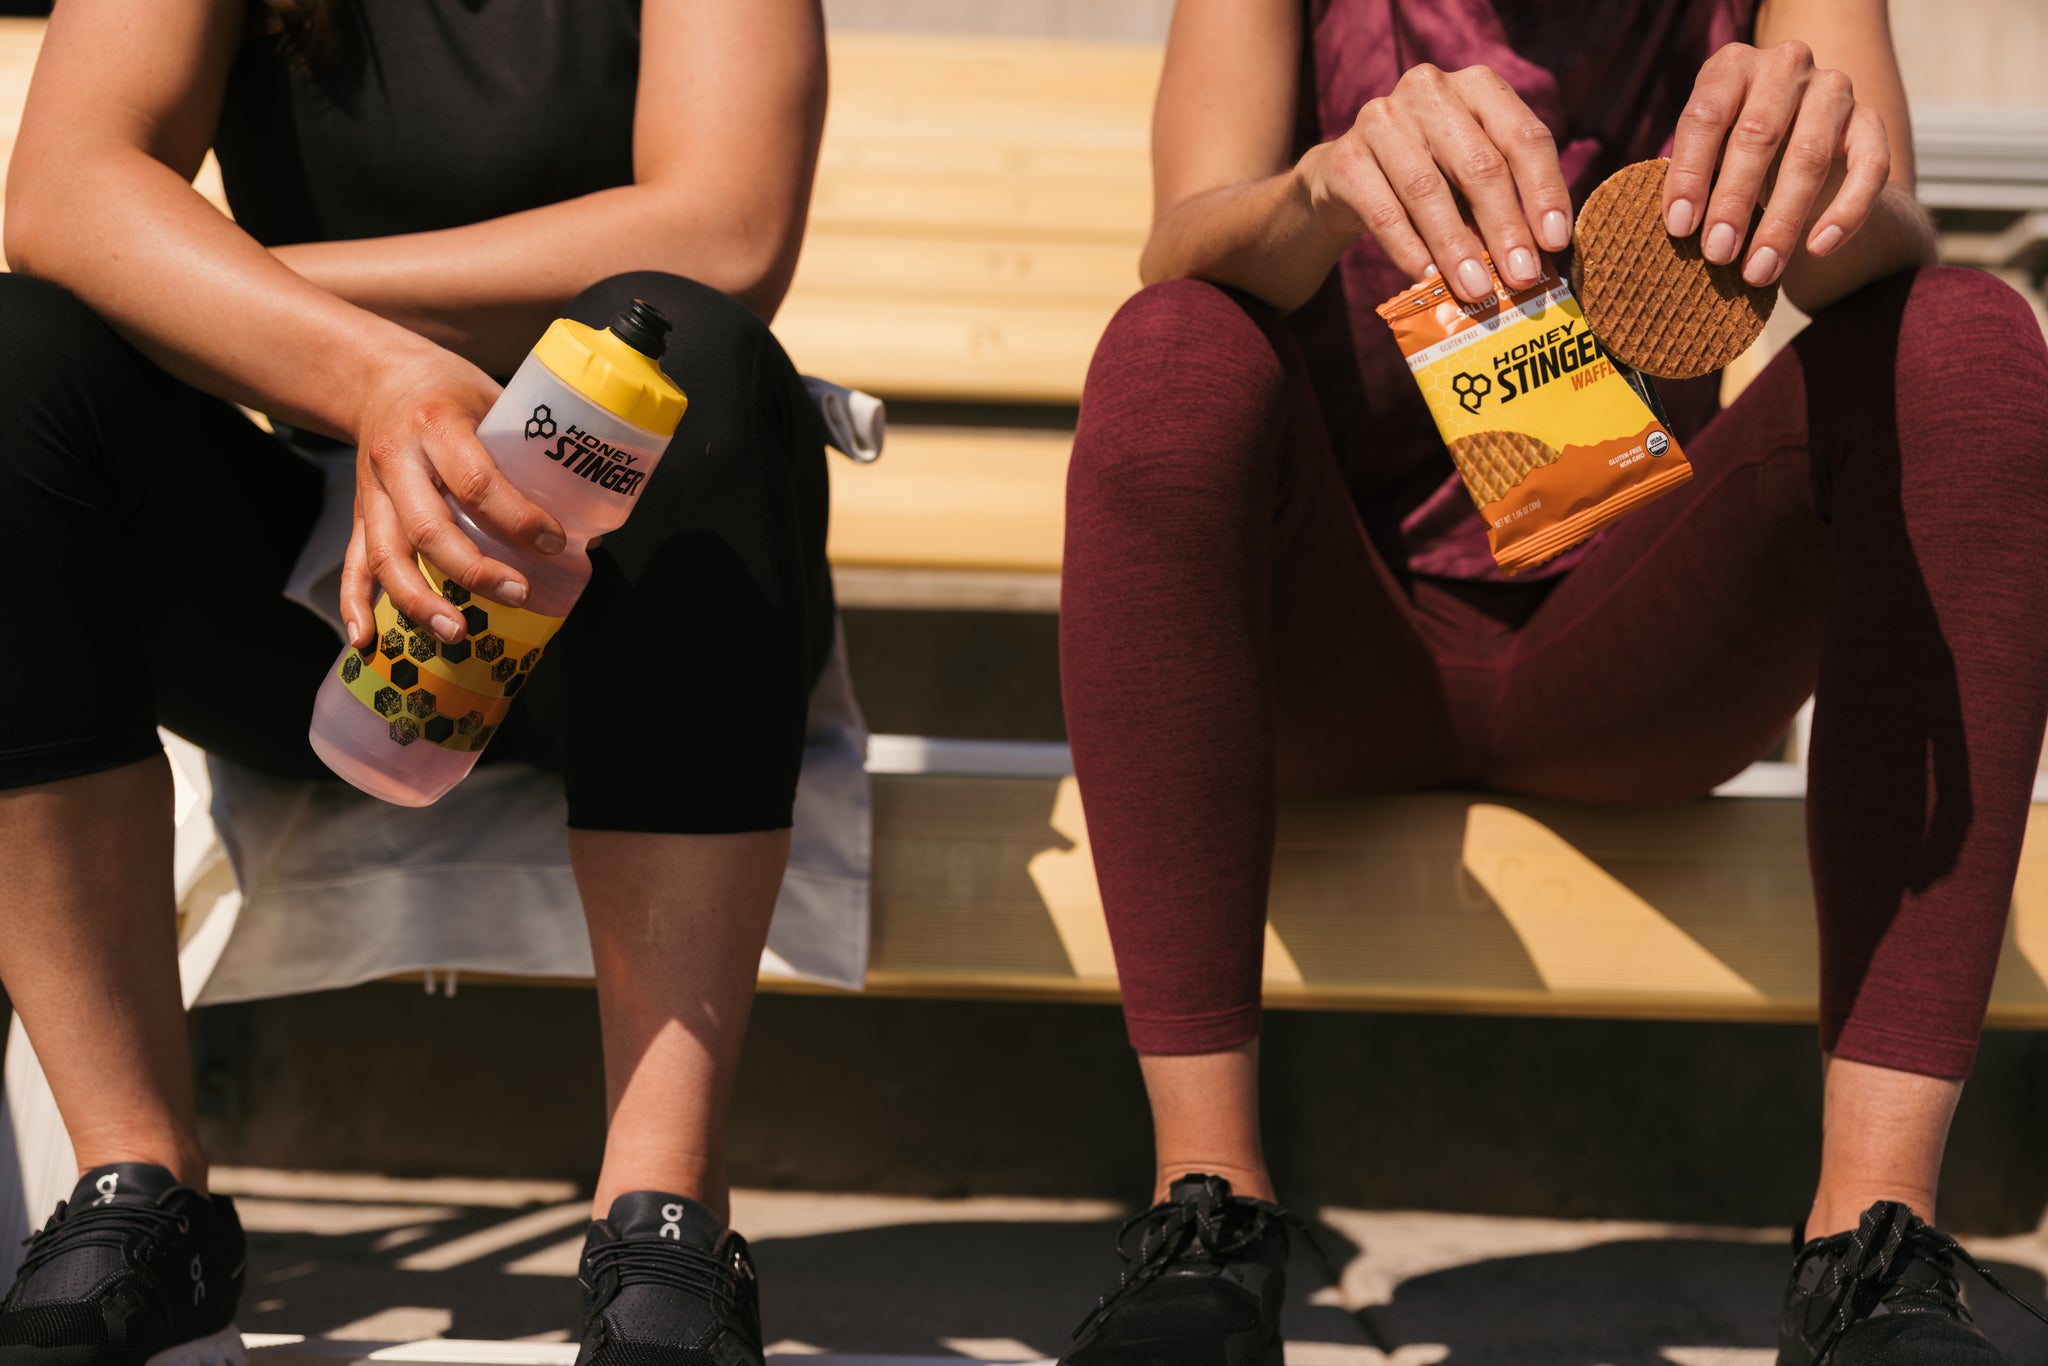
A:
x: 1274, y: 583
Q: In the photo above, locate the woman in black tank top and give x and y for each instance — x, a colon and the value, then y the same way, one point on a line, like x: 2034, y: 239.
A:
x: 418, y: 187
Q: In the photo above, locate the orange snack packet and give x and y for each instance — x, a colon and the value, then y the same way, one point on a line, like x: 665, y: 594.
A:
x: 1553, y: 437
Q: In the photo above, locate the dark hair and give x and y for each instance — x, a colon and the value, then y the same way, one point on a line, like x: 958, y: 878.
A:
x: 308, y: 29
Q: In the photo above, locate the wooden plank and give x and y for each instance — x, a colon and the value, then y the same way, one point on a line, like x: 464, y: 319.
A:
x: 939, y: 349
x: 1428, y: 901
x: 879, y: 271
x: 949, y: 590
x: 954, y: 497
x: 983, y: 204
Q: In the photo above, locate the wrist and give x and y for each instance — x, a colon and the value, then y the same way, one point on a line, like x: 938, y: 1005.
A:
x: 398, y: 362
x: 1333, y: 220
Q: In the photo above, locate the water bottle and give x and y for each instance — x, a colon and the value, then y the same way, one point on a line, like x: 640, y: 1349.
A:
x: 579, y: 431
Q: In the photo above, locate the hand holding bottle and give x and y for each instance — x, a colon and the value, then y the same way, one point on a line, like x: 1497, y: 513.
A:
x: 417, y: 448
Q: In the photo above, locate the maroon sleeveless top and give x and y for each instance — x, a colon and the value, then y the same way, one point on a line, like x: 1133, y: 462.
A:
x: 1610, y: 78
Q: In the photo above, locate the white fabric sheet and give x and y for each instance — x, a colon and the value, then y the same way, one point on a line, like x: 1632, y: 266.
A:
x: 338, y: 888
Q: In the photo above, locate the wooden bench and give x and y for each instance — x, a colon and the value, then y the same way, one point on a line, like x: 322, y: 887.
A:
x: 980, y: 205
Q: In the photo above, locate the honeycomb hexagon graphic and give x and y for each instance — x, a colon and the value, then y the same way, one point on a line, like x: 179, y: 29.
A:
x: 405, y: 730
x: 476, y: 619
x: 438, y: 729
x: 489, y: 648
x: 541, y: 424
x: 454, y: 592
x: 483, y: 737
x: 455, y: 652
x: 405, y: 673
x: 393, y: 644
x: 406, y: 623
x: 352, y: 667
x: 420, y: 647
x: 532, y: 658
x: 421, y: 703
x: 388, y: 702
x: 504, y: 669
x: 470, y: 722
x: 1471, y: 390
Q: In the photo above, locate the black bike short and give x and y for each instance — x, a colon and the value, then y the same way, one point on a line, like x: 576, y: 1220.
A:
x: 147, y: 531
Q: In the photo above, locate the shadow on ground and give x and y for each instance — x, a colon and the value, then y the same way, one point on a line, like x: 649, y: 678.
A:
x: 936, y: 1288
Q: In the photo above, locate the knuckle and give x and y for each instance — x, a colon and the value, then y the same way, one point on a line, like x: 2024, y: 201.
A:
x: 1834, y: 81
x: 1421, y: 181
x: 1531, y: 132
x: 1483, y: 165
x: 1705, y: 109
x: 1423, y: 76
x: 1757, y: 130
x: 1793, y: 53
x: 1384, y: 216
x: 1810, y: 156
x: 420, y: 527
x: 470, y: 483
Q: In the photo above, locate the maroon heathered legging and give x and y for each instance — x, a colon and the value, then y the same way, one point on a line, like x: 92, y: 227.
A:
x: 1871, y: 517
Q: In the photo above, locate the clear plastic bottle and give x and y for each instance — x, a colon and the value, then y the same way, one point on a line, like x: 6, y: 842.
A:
x: 578, y: 430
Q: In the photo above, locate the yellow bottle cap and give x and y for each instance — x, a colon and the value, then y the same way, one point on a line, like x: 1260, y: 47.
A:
x: 598, y: 364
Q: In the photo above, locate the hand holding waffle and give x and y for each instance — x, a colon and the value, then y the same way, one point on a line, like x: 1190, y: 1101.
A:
x: 1787, y: 135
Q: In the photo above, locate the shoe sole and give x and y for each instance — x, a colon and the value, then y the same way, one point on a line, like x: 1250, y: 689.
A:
x: 215, y: 1349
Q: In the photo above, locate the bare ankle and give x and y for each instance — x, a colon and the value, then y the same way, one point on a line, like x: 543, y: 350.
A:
x: 185, y: 1161
x: 1839, y: 1208
x: 1249, y: 1181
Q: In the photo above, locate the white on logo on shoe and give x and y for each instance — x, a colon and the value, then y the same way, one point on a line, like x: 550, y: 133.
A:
x: 673, y: 1229
x: 106, y: 1186
x: 198, y: 1280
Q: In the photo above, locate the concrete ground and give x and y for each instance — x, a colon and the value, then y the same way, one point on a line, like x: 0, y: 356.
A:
x: 375, y: 1258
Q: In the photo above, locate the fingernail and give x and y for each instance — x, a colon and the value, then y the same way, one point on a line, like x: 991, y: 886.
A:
x: 1826, y: 240
x: 1762, y: 267
x: 1473, y: 279
x: 1720, y: 244
x: 355, y: 632
x: 1557, y: 230
x: 548, y: 543
x: 511, y: 592
x: 1522, y: 263
x: 446, y: 627
x: 1678, y: 218
x: 1431, y: 272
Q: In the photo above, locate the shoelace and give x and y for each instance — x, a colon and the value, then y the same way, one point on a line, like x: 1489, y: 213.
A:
x: 662, y: 1261
x: 96, y: 1226
x: 1888, y: 1238
x: 1212, y: 1224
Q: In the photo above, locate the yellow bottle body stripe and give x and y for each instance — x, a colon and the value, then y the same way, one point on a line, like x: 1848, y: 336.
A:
x: 452, y: 695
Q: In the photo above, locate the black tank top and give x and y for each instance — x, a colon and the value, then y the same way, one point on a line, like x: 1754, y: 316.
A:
x: 430, y: 114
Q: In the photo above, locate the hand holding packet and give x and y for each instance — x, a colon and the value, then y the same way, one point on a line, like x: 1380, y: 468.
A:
x: 1553, y: 437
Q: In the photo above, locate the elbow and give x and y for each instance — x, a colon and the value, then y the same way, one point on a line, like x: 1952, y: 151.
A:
x: 762, y: 271
x: 21, y: 236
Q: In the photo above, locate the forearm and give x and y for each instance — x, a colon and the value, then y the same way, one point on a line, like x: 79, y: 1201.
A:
x: 192, y: 291
x: 486, y: 290
x: 1264, y: 237
x: 1898, y: 236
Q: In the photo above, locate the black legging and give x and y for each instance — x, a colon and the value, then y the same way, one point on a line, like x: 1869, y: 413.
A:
x: 147, y: 531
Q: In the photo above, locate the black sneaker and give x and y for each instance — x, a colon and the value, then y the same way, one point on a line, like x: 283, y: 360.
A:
x: 1202, y: 1287
x: 133, y: 1270
x: 1885, y: 1295
x: 666, y: 1283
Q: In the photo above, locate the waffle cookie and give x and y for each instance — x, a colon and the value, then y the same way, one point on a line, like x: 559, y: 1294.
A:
x: 1492, y: 463
x: 1654, y: 302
